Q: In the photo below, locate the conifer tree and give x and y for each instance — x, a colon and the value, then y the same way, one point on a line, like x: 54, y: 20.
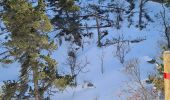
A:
x: 67, y: 20
x: 30, y: 45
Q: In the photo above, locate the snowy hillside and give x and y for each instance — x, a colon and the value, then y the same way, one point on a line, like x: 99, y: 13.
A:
x: 109, y: 84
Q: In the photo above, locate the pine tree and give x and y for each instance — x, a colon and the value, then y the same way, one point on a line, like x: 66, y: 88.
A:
x: 28, y: 39
x: 67, y: 20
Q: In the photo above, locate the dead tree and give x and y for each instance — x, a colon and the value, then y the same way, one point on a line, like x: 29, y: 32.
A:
x: 167, y: 34
x: 118, y: 18
x: 122, y: 49
x: 102, y: 61
x: 143, y: 14
x: 102, y: 21
x: 130, y: 11
x: 140, y: 14
x: 133, y: 70
x: 118, y: 9
x: 76, y: 66
x: 141, y: 91
x: 166, y: 25
x: 98, y: 30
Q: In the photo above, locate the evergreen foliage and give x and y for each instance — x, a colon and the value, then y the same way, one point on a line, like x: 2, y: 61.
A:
x: 67, y: 20
x: 28, y: 27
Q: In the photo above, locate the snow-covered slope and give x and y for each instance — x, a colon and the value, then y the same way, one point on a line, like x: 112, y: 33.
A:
x: 109, y: 84
x: 106, y: 85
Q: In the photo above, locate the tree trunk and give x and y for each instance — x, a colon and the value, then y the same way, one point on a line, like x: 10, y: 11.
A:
x: 98, y: 30
x: 140, y: 14
x: 35, y: 80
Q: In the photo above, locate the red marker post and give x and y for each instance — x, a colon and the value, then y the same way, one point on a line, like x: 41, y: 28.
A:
x: 166, y: 57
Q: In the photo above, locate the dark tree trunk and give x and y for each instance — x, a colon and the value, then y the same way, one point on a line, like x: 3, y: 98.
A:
x: 35, y: 80
x: 98, y: 30
x: 140, y: 14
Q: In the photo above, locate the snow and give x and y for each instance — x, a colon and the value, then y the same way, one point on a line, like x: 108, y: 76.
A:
x: 166, y: 52
x: 9, y: 72
x: 106, y: 85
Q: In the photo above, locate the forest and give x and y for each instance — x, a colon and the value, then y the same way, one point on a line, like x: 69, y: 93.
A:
x: 83, y: 49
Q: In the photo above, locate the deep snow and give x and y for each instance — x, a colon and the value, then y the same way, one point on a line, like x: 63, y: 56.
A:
x: 108, y: 84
